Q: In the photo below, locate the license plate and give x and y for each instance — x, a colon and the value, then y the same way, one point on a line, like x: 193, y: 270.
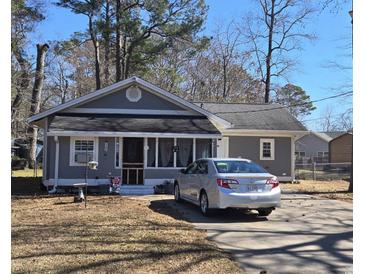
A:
x: 252, y: 188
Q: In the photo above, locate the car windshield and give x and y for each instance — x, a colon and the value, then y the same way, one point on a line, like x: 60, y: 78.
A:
x: 238, y: 167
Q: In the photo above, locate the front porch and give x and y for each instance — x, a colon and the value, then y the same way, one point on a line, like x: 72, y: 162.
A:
x: 139, y: 157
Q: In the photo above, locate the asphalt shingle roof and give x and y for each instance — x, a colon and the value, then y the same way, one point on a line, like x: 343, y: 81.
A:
x: 255, y: 116
x: 127, y: 123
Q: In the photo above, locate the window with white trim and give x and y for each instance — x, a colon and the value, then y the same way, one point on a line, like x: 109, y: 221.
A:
x: 83, y: 150
x: 300, y: 154
x: 267, y: 149
x: 322, y: 154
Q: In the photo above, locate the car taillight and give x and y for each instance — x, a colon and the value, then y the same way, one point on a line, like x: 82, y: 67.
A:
x: 274, y: 182
x: 226, y: 182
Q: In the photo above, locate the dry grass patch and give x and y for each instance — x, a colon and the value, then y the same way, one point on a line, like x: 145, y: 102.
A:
x: 113, y: 234
x: 27, y: 172
x: 327, y: 189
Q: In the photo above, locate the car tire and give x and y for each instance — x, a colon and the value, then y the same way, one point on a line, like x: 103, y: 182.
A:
x: 204, y: 204
x: 177, y: 193
x: 264, y: 211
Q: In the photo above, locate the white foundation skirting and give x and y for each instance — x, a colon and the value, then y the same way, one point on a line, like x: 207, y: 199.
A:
x: 96, y: 182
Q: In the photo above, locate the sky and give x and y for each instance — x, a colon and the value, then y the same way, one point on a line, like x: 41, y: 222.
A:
x: 333, y: 31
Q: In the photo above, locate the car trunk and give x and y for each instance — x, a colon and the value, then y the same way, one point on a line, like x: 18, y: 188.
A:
x: 249, y: 182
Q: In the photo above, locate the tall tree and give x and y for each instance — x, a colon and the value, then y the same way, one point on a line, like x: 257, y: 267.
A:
x: 273, y: 33
x: 139, y: 22
x: 295, y: 98
x: 91, y: 9
x: 25, y: 15
x: 36, y: 100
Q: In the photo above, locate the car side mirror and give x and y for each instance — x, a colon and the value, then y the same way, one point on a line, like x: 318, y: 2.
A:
x: 182, y: 170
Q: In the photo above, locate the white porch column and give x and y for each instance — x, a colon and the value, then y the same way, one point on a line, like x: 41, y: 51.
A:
x: 44, y: 161
x: 121, y: 158
x: 145, y: 151
x: 292, y: 158
x: 194, y: 149
x: 56, y: 162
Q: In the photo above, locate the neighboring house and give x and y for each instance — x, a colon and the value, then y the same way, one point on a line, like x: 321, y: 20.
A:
x: 314, y: 146
x: 19, y: 148
x: 145, y: 134
x: 340, y: 148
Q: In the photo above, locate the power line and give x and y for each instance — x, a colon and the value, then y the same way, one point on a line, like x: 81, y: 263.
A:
x: 288, y: 106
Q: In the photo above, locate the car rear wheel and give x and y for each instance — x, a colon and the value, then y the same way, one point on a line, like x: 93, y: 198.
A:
x: 264, y: 211
x: 204, y: 204
x: 177, y: 193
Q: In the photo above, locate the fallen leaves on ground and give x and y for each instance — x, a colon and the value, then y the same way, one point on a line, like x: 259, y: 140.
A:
x: 112, y: 234
x: 336, y: 189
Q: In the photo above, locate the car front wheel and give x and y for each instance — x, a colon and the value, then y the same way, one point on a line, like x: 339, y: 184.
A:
x: 177, y: 193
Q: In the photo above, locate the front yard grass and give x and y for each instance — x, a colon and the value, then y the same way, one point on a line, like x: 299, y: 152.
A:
x: 336, y: 189
x: 113, y: 234
x: 27, y: 172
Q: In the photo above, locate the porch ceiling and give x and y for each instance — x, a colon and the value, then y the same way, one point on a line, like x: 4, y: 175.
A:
x: 128, y: 123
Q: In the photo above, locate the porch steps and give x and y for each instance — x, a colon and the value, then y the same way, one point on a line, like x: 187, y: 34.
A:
x: 136, y: 190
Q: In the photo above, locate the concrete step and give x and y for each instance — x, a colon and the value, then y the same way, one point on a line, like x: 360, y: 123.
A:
x: 136, y: 190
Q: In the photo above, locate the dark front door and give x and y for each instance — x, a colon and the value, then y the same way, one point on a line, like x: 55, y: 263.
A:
x: 132, y: 161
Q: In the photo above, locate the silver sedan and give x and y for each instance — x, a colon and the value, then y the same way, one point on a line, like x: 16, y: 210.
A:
x: 214, y: 183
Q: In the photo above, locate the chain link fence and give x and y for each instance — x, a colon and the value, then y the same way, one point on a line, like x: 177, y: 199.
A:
x: 322, y: 171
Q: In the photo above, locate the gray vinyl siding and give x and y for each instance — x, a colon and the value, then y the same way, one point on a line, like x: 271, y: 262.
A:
x: 249, y: 147
x: 311, y: 144
x: 65, y: 171
x: 105, y: 161
x: 118, y: 100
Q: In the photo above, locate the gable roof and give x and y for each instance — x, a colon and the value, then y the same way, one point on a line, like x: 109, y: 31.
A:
x: 126, y: 83
x: 328, y: 135
x: 343, y: 134
x: 255, y: 116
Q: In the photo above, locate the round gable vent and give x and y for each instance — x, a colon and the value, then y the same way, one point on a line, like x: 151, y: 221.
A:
x: 133, y: 94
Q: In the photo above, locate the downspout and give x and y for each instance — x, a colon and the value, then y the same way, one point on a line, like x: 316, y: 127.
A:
x: 54, y: 190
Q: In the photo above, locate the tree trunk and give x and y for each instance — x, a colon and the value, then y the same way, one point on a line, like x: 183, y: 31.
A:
x: 96, y: 53
x: 35, y: 102
x: 269, y: 54
x: 107, y: 43
x: 118, y: 69
x: 224, y: 77
x: 22, y: 84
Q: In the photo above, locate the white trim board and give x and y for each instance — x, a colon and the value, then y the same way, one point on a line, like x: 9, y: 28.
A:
x: 264, y: 133
x: 131, y: 134
x: 125, y: 83
x: 130, y: 111
x: 70, y: 182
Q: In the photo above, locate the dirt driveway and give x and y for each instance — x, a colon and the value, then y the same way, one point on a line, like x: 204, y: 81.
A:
x: 306, y: 235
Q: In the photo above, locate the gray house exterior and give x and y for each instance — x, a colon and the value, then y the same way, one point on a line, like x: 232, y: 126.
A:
x: 145, y: 135
x: 314, y: 147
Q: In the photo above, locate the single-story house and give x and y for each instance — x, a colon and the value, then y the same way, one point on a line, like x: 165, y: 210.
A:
x: 145, y: 135
x: 340, y: 148
x: 314, y: 146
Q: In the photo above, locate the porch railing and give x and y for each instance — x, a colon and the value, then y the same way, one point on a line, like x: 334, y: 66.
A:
x: 133, y: 174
